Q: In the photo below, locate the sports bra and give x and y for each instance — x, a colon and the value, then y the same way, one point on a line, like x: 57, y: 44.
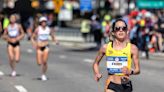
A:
x: 13, y: 31
x: 43, y: 34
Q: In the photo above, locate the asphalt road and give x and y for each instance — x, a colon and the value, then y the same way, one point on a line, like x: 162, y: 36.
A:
x: 70, y: 70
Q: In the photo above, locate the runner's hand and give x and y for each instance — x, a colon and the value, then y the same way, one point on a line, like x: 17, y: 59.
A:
x: 17, y: 39
x: 126, y: 71
x: 35, y: 46
x: 57, y: 42
x: 9, y: 40
x: 97, y: 77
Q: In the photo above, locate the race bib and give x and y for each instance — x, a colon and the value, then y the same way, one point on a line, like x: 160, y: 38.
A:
x: 114, y: 64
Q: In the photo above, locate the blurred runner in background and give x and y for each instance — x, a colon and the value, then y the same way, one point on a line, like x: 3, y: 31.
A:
x: 13, y: 34
x: 39, y: 40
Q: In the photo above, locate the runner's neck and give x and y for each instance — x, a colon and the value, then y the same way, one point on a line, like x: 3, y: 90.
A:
x: 119, y: 45
x: 12, y: 24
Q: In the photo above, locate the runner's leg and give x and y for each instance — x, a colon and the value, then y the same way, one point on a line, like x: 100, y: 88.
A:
x: 106, y: 86
x: 39, y: 56
x: 17, y: 54
x: 45, y: 59
x: 10, y: 50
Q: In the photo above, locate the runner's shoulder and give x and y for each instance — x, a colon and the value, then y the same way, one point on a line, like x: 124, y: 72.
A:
x: 103, y: 48
x: 36, y: 29
x: 134, y: 48
x: 18, y: 25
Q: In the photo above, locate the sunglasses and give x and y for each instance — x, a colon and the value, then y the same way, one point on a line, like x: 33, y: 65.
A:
x: 120, y: 28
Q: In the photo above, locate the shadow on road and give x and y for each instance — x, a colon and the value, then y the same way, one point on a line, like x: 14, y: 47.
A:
x: 17, y: 75
x: 39, y: 79
x: 93, y: 49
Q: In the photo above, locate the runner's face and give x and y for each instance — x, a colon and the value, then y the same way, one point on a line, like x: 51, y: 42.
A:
x: 43, y: 23
x: 120, y: 30
x: 12, y: 19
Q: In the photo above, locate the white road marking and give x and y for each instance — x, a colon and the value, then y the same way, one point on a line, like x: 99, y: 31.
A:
x: 1, y: 73
x: 20, y: 88
x: 62, y: 56
x: 29, y: 50
x: 88, y: 60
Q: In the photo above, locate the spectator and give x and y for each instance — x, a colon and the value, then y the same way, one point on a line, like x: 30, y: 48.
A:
x: 96, y: 29
x: 85, y: 29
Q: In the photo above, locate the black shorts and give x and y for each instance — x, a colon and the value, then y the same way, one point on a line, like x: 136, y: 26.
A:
x: 127, y: 87
x: 44, y: 47
x: 14, y: 44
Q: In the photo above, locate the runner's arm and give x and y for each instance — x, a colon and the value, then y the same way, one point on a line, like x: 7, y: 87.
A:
x: 53, y: 36
x: 98, y: 58
x: 135, y: 57
x: 33, y: 37
x: 5, y: 35
x: 21, y: 36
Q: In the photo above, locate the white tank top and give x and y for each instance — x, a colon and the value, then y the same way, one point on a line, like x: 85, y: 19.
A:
x: 43, y: 34
x: 13, y: 31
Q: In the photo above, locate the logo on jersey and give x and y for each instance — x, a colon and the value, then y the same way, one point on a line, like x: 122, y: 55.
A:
x: 117, y: 59
x: 110, y: 51
x: 125, y: 53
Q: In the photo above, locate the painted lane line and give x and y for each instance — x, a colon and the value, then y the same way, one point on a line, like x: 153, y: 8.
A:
x: 1, y: 73
x: 62, y: 56
x: 30, y: 51
x: 88, y: 60
x: 20, y: 88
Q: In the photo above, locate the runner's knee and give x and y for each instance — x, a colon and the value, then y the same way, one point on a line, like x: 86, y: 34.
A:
x: 39, y: 63
x: 17, y: 61
x: 11, y: 59
x: 45, y: 63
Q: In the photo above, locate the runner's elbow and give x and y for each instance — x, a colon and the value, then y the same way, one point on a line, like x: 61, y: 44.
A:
x: 137, y: 72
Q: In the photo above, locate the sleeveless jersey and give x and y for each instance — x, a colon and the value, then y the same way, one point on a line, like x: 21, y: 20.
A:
x: 117, y: 59
x: 43, y: 34
x: 13, y: 31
